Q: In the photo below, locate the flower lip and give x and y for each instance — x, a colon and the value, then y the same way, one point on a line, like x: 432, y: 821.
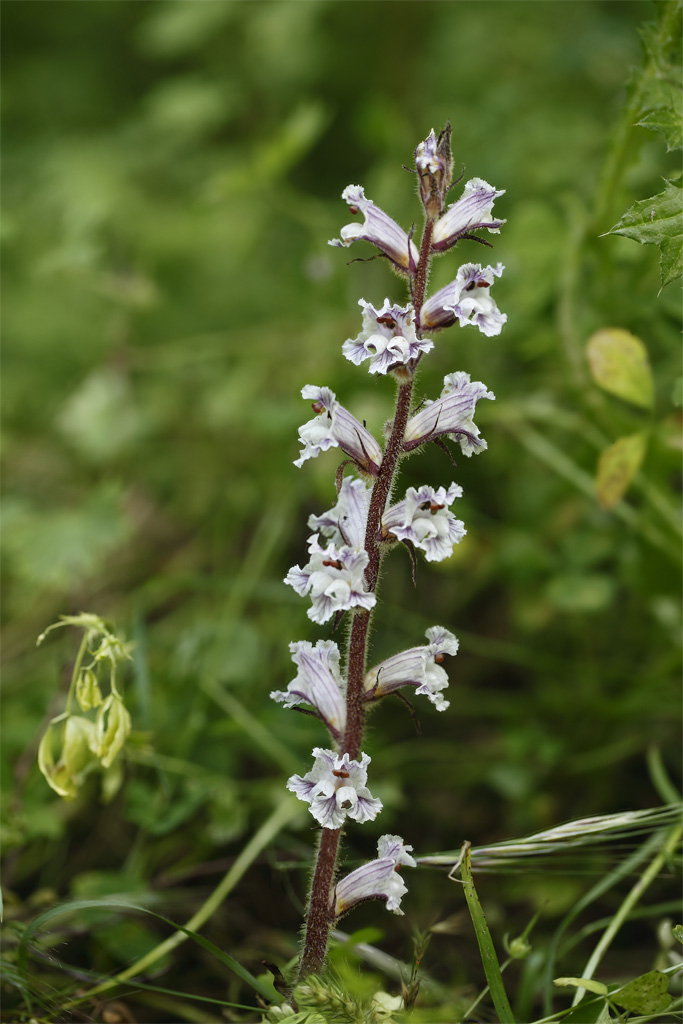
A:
x: 388, y: 338
x: 466, y: 299
x: 471, y: 301
x: 424, y: 519
x: 336, y: 789
x: 334, y: 578
x: 379, y: 229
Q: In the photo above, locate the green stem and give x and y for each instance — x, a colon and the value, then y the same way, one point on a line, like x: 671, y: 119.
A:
x: 76, y: 671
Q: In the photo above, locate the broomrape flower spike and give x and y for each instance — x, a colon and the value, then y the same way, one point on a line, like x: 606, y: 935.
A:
x: 335, y: 788
x: 351, y: 539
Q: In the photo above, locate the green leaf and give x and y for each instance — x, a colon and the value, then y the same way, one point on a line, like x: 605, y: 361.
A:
x: 589, y: 1011
x: 677, y: 932
x: 646, y: 994
x: 596, y: 987
x: 619, y: 364
x: 658, y: 221
x: 617, y: 466
x: 666, y: 120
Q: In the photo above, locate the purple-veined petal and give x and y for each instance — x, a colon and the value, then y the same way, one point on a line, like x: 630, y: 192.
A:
x: 379, y: 229
x: 346, y: 522
x: 378, y: 879
x: 418, y: 666
x: 451, y: 414
x: 318, y: 683
x: 333, y: 426
x: 473, y: 211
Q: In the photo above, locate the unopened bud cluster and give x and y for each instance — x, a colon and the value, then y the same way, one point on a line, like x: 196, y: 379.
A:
x: 350, y: 539
x: 86, y: 743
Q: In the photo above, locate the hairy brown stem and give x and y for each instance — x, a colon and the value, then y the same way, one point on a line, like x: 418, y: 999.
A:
x: 319, y: 918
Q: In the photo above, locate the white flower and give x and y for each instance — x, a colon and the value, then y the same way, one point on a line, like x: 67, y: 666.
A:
x: 379, y: 229
x: 318, y: 683
x: 471, y: 212
x: 418, y: 666
x: 336, y: 788
x: 346, y: 522
x: 388, y: 338
x: 466, y: 299
x: 377, y: 880
x: 451, y: 414
x: 334, y: 577
x: 424, y: 519
x: 333, y: 426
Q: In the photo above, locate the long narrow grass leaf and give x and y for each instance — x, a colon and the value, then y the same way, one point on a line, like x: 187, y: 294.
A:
x: 485, y: 942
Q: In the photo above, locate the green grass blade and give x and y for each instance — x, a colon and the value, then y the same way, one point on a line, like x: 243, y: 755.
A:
x: 486, y: 947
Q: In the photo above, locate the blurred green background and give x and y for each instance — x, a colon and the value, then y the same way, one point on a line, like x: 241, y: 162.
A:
x: 172, y: 173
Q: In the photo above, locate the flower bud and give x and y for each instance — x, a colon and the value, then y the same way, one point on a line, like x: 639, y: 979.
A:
x: 88, y: 693
x: 112, y: 726
x: 434, y: 163
x: 76, y: 757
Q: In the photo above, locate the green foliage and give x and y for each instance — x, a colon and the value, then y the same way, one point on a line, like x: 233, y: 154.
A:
x: 657, y: 100
x: 172, y: 172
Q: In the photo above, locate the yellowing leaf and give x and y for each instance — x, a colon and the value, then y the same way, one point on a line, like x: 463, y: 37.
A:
x: 591, y: 986
x: 619, y: 364
x: 617, y: 466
